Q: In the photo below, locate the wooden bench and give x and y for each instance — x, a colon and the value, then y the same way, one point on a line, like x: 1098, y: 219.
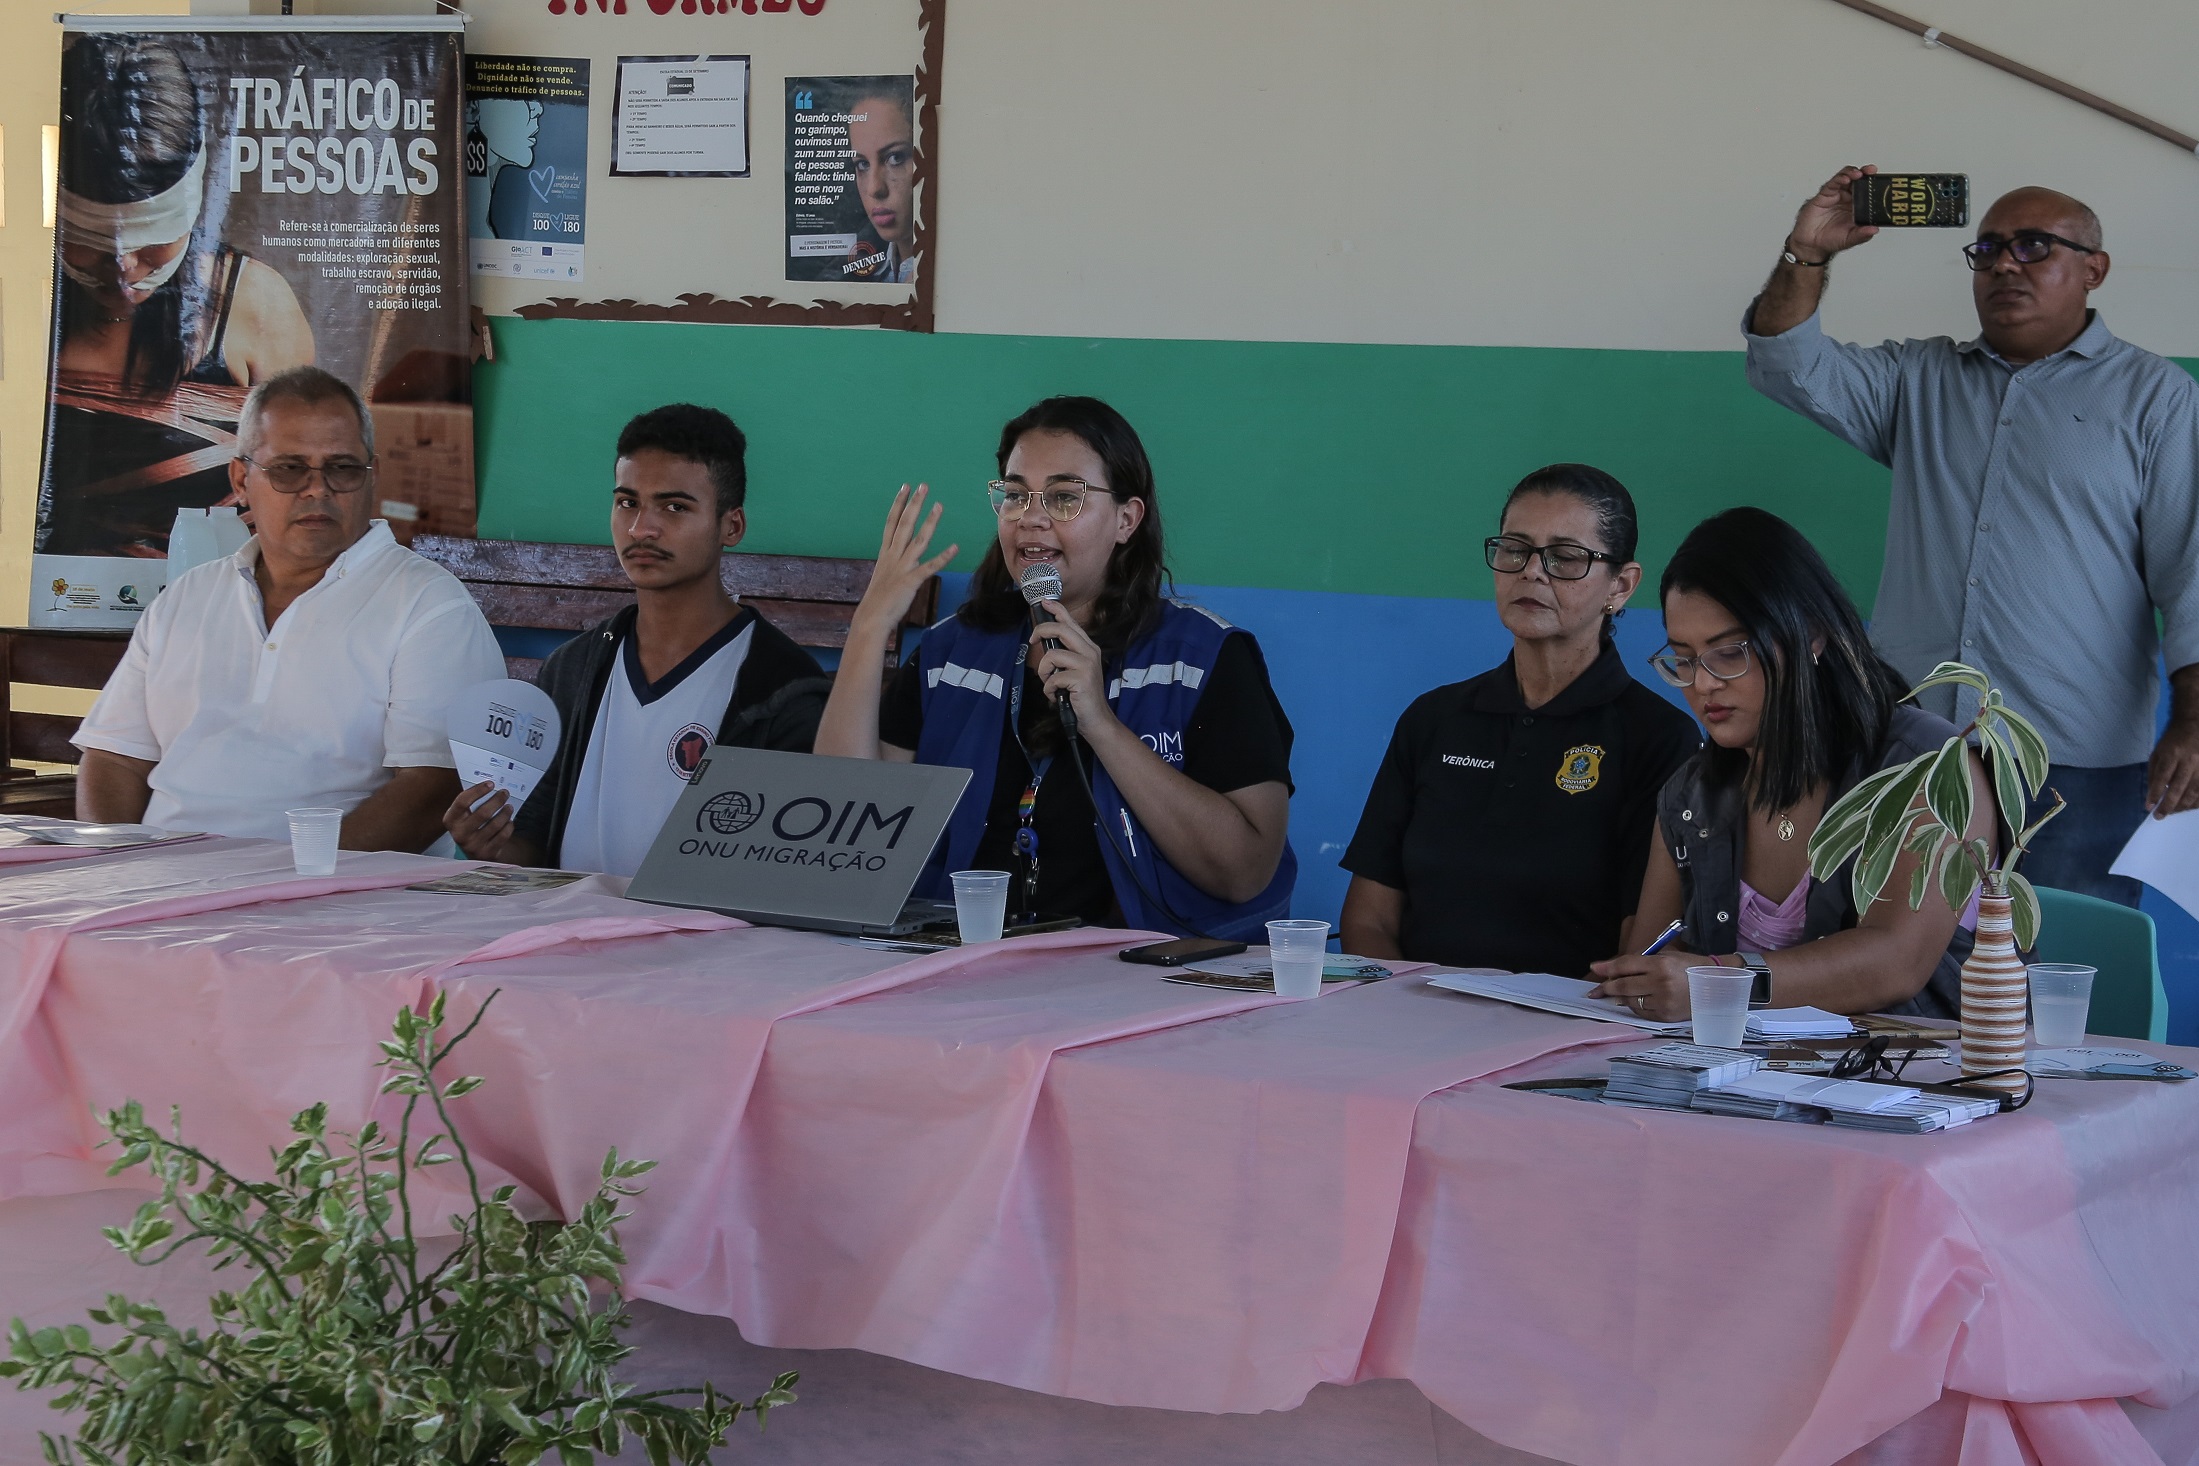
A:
x: 44, y: 658
x: 550, y: 587
x: 516, y: 583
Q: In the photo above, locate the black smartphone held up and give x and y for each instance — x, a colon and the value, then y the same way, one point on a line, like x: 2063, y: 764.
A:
x: 1180, y: 951
x: 1913, y: 200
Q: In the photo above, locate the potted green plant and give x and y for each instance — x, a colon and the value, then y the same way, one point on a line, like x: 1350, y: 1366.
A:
x: 346, y: 1345
x: 1924, y: 807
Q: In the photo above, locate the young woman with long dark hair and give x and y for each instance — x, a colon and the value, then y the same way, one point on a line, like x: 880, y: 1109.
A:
x: 1506, y: 825
x: 1800, y: 709
x: 1187, y: 747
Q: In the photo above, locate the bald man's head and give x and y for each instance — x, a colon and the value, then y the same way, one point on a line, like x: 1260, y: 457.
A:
x: 2074, y: 218
x: 2032, y: 309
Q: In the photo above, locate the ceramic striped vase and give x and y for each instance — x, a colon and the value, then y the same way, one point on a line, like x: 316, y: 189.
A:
x: 1994, y: 997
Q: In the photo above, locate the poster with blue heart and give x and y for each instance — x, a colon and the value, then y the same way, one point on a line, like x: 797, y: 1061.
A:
x: 527, y: 165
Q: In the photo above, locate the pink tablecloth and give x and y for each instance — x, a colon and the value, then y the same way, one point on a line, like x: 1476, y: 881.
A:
x: 1738, y: 1291
x: 1036, y: 1165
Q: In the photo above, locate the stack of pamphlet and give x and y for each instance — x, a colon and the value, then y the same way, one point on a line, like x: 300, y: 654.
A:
x: 1768, y: 1094
x: 1668, y: 1076
x: 1854, y: 1103
x: 1785, y: 1023
x: 1917, y: 1113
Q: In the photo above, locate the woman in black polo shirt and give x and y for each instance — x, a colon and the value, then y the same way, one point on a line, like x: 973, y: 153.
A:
x: 1509, y: 823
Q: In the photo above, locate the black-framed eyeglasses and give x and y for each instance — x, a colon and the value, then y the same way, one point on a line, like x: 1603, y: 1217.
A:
x: 2027, y: 247
x: 1062, y: 499
x: 1559, y: 561
x: 1722, y: 662
x: 1870, y: 1057
x: 338, y: 475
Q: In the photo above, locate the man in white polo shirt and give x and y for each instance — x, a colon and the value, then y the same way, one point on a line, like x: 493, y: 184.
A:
x: 644, y: 694
x: 313, y: 667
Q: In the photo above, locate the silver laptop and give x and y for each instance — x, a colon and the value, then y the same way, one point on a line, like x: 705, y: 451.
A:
x: 796, y: 839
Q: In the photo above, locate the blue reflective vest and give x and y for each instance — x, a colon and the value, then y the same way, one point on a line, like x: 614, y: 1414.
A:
x: 967, y: 676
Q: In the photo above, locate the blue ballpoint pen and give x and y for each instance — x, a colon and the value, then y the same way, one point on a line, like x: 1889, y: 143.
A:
x: 1662, y: 938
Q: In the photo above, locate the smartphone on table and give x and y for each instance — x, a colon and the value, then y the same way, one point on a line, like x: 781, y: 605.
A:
x: 1181, y: 951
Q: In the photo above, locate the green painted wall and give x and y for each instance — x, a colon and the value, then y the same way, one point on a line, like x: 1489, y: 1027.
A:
x: 1303, y: 467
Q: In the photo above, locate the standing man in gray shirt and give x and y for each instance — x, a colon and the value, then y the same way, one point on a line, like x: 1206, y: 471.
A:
x: 2045, y: 506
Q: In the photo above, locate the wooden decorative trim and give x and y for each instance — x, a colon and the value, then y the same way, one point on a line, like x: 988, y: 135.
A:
x: 764, y: 310
x: 1934, y: 36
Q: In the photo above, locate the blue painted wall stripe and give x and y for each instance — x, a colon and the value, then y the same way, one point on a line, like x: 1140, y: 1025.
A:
x: 1345, y: 666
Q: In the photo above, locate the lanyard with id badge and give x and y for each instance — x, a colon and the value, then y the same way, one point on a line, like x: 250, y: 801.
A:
x: 1026, y: 836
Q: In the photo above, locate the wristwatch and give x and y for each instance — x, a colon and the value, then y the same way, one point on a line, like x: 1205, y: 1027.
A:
x: 1759, y: 990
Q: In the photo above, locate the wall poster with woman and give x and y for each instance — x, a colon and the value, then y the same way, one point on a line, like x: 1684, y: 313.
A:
x: 850, y: 178
x: 236, y: 198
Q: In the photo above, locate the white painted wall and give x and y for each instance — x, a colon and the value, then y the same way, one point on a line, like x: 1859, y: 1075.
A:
x: 1587, y: 173
x: 1591, y: 173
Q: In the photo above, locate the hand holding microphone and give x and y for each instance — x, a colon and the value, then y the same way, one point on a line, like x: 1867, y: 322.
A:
x: 1069, y: 650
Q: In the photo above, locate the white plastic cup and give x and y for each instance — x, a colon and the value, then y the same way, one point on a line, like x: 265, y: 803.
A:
x: 1297, y: 951
x: 1718, y: 1003
x: 980, y: 904
x: 2061, y: 1002
x: 313, y: 840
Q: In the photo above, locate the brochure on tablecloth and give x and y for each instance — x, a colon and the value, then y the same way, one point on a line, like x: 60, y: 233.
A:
x: 2089, y: 1063
x: 1569, y: 996
x: 1552, y: 994
x: 24, y: 829
x: 500, y: 882
x: 504, y: 732
x: 1255, y: 970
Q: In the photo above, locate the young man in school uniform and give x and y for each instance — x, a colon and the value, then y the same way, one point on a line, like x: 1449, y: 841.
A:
x: 644, y: 694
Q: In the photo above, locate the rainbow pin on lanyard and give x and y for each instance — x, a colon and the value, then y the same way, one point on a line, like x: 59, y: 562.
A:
x: 1026, y: 840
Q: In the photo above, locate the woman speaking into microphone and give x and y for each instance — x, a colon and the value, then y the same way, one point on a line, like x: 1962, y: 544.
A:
x: 1187, y: 750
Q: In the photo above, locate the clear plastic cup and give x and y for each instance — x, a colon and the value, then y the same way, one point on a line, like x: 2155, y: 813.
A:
x: 980, y: 904
x: 313, y: 840
x: 1718, y: 1003
x: 2061, y: 1002
x: 1298, y: 950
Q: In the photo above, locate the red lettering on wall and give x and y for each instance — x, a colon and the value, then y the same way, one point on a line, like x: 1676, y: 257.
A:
x: 692, y: 7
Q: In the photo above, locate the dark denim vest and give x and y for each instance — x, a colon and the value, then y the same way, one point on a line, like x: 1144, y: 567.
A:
x: 1702, y: 829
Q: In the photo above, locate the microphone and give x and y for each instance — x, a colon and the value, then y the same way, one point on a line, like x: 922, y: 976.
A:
x: 1042, y: 582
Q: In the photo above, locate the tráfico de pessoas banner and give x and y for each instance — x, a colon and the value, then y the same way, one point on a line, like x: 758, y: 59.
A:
x: 850, y: 178
x: 236, y: 198
x: 527, y: 165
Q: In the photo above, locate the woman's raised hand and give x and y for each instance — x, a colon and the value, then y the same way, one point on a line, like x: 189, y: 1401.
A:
x: 902, y: 567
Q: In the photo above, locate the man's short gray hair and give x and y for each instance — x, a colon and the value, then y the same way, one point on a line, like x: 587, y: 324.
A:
x: 309, y: 386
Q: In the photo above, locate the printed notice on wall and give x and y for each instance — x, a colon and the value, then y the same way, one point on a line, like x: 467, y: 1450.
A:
x: 850, y: 171
x: 527, y: 165
x: 680, y: 117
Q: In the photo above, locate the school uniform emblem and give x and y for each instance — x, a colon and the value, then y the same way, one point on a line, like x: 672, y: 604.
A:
x: 684, y: 752
x: 1579, y: 770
